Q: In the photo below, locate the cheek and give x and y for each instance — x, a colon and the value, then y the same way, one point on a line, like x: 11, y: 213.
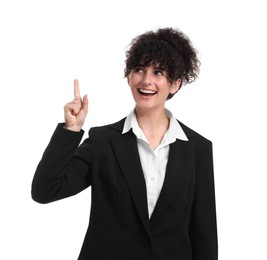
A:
x: 130, y: 81
x: 163, y: 82
x: 134, y: 79
x: 133, y: 90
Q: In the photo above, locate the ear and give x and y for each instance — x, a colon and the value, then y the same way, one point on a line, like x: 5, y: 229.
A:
x: 175, y: 86
x: 129, y: 78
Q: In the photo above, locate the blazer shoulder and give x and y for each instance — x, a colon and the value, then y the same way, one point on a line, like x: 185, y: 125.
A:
x: 202, y: 145
x: 105, y: 129
x: 194, y: 136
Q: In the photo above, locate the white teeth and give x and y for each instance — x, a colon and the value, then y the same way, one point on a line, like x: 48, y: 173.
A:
x: 147, y: 91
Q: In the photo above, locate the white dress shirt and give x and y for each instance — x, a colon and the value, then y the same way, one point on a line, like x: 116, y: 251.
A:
x: 154, y: 161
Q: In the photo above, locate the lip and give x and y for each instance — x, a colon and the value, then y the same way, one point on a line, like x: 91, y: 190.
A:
x: 146, y: 92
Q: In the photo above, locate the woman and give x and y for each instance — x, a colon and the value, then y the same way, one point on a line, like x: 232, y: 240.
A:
x: 151, y: 176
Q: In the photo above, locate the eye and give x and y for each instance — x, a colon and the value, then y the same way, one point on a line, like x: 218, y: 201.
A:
x: 159, y: 72
x: 138, y: 69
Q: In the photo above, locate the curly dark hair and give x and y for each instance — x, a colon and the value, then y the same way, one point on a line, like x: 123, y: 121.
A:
x: 170, y: 49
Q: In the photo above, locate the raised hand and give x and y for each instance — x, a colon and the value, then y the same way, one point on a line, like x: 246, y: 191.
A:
x: 75, y: 112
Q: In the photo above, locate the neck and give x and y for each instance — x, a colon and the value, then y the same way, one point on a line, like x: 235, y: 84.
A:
x: 154, y: 125
x: 152, y: 120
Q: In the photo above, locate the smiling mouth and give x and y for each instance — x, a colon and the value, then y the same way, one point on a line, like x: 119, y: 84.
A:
x: 146, y: 92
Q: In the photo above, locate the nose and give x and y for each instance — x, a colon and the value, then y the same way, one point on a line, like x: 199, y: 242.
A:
x: 147, y: 78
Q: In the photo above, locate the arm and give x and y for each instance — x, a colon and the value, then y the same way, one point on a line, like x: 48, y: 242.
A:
x: 203, y: 227
x: 64, y: 168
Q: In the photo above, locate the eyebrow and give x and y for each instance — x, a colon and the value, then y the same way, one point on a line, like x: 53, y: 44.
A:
x: 155, y: 67
x: 159, y: 67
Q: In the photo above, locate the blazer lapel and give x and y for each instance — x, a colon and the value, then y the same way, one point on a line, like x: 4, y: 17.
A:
x: 180, y: 157
x: 126, y: 151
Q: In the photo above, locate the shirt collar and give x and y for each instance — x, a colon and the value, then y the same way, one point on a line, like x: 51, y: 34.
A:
x: 174, y: 132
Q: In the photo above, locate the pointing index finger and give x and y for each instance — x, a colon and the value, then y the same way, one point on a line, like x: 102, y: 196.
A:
x: 76, y: 89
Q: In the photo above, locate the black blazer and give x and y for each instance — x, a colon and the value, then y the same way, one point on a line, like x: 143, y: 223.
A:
x: 183, y: 224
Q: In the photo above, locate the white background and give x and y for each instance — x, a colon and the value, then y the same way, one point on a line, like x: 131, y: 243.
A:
x: 45, y: 45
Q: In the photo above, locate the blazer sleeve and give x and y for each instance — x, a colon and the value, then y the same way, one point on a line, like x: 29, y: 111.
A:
x: 64, y: 169
x: 203, y: 227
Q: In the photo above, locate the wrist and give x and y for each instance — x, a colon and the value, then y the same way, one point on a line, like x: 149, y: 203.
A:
x: 72, y: 128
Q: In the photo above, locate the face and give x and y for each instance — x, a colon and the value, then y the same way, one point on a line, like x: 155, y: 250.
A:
x: 150, y: 87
